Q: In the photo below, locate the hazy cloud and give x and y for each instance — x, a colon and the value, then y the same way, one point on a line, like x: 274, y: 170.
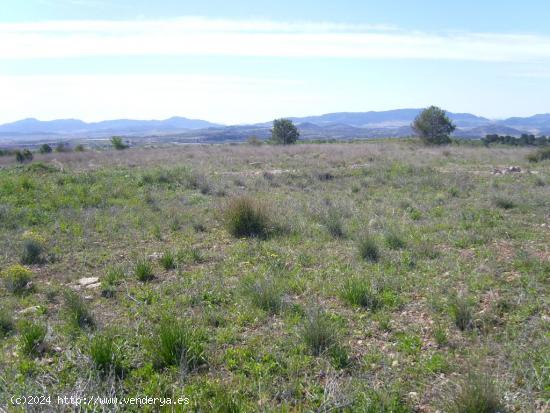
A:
x: 218, y: 37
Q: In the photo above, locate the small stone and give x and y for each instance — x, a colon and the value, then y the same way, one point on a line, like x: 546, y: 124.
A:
x: 29, y: 310
x: 95, y: 285
x: 395, y: 363
x: 87, y: 281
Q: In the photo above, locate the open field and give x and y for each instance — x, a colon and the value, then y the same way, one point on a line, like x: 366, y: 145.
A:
x: 385, y: 277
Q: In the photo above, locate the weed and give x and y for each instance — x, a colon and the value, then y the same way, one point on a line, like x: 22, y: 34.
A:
x: 475, y: 394
x: 318, y: 332
x: 368, y: 249
x: 32, y: 252
x: 245, y: 217
x: 334, y: 223
x: 339, y: 357
x: 176, y: 344
x: 17, y: 279
x: 112, y: 278
x: 382, y: 402
x: 504, y: 203
x: 32, y: 338
x: 440, y: 335
x: 540, y: 155
x: 462, y: 312
x: 105, y: 355
x: 394, y: 240
x: 360, y: 291
x: 168, y: 260
x: 144, y: 270
x: 76, y: 311
x: 6, y: 323
x: 266, y: 294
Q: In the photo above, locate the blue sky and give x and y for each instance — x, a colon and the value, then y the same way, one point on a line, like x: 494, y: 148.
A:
x: 249, y: 61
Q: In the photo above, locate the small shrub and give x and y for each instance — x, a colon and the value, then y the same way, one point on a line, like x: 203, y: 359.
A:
x: 176, y: 344
x: 199, y: 227
x: 254, y: 141
x: 118, y: 143
x: 245, y: 217
x: 110, y: 281
x: 6, y: 323
x: 476, y: 394
x: 191, y: 255
x: 267, y: 295
x: 368, y: 249
x: 440, y: 335
x: 105, y: 355
x: 318, y: 332
x: 45, y: 148
x: 79, y: 148
x: 76, y: 311
x: 384, y: 402
x: 339, y: 357
x: 144, y: 270
x: 62, y: 147
x: 325, y: 176
x: 32, y: 252
x: 359, y: 291
x: 168, y: 260
x: 394, y: 240
x: 504, y: 203
x: 16, y: 279
x: 540, y: 155
x: 32, y: 338
x: 462, y: 312
x: 334, y: 223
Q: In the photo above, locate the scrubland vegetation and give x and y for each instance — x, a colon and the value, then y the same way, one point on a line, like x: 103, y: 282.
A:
x: 368, y: 277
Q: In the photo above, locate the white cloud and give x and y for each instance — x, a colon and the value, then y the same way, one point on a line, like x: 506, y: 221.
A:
x: 201, y: 36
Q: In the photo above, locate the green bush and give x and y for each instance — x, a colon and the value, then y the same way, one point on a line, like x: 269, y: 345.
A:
x: 33, y: 252
x: 368, y: 249
x: 144, y: 270
x: 504, y: 203
x: 476, y: 394
x: 360, y: 291
x: 462, y: 312
x: 16, y: 279
x: 118, y: 143
x: 318, y: 332
x: 32, y: 338
x: 266, y: 294
x: 245, y: 217
x: 45, y: 148
x: 394, y: 240
x: 76, y: 311
x: 334, y: 223
x: 540, y: 155
x: 383, y: 402
x: 177, y: 344
x: 111, y: 280
x: 6, y: 323
x: 168, y: 260
x: 105, y: 355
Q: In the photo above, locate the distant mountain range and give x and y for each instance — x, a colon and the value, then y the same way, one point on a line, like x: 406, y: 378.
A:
x: 75, y: 126
x: 341, y: 125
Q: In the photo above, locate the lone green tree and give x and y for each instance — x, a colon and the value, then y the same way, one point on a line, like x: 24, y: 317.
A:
x: 118, y: 143
x: 433, y: 126
x: 45, y: 148
x: 284, y: 132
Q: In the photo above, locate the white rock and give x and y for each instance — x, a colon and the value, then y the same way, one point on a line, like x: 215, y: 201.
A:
x: 87, y: 281
x: 29, y: 310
